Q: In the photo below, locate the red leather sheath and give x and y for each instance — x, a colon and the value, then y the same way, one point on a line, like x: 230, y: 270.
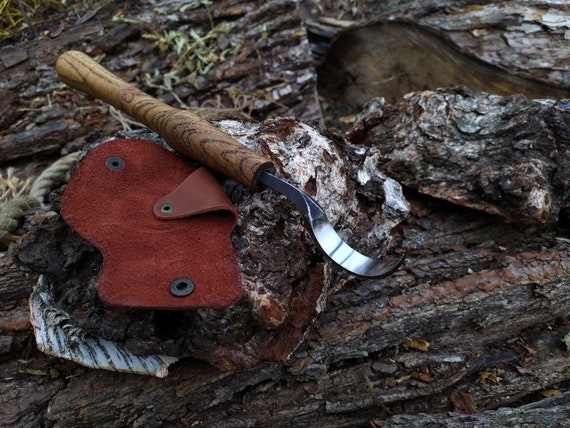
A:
x: 161, y: 224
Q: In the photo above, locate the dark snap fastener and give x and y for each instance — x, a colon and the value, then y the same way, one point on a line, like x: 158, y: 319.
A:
x: 181, y: 287
x: 115, y: 164
x: 166, y: 209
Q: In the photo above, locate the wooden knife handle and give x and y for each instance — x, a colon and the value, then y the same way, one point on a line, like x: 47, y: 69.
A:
x: 184, y: 131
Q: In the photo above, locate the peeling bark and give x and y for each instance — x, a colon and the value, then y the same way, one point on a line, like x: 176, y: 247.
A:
x: 505, y: 156
x: 390, y: 49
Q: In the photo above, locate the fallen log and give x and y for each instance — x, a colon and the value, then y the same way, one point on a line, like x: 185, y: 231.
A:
x: 476, y: 308
x: 474, y: 323
x: 255, y: 61
x: 502, y: 155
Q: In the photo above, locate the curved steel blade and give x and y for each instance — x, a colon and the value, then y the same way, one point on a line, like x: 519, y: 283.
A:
x: 327, y: 238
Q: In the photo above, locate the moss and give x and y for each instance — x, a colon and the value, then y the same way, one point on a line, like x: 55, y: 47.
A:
x: 198, y: 52
x: 18, y: 14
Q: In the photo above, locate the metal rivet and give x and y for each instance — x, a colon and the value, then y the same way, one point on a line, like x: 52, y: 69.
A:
x: 115, y: 164
x: 181, y: 287
x: 166, y: 208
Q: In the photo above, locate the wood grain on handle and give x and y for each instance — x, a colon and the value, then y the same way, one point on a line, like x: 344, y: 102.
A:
x: 183, y: 131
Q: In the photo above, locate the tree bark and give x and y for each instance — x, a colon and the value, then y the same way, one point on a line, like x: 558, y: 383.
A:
x: 474, y: 328
x: 400, y: 47
x: 529, y: 41
x: 273, y: 73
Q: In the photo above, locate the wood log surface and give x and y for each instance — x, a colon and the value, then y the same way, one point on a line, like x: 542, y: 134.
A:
x: 472, y: 331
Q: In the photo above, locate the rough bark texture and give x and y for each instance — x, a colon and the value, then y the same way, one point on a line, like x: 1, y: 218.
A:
x: 259, y: 64
x: 503, y: 155
x: 473, y: 331
x: 284, y: 285
x: 392, y: 58
x: 500, y: 49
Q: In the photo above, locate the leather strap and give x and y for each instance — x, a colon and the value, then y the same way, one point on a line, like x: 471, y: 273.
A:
x: 199, y: 193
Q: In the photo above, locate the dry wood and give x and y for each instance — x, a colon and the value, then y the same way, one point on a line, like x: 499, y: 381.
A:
x: 392, y: 58
x: 503, y: 155
x: 529, y: 40
x: 477, y: 308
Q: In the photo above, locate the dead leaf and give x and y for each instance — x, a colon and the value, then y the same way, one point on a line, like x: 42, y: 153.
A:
x: 347, y: 120
x: 524, y: 350
x: 463, y: 402
x: 423, y: 376
x: 403, y: 378
x: 417, y: 344
x: 550, y: 392
x: 487, y: 377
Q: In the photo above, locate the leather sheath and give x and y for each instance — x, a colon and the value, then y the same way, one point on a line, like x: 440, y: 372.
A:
x: 162, y: 225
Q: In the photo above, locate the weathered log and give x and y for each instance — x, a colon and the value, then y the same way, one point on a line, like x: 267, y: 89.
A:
x: 285, y: 285
x: 392, y: 58
x: 527, y: 40
x: 506, y: 156
x: 259, y: 63
x: 386, y: 50
x: 474, y: 322
x: 463, y: 314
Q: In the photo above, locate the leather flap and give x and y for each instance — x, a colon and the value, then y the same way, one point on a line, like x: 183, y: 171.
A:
x: 199, y: 193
